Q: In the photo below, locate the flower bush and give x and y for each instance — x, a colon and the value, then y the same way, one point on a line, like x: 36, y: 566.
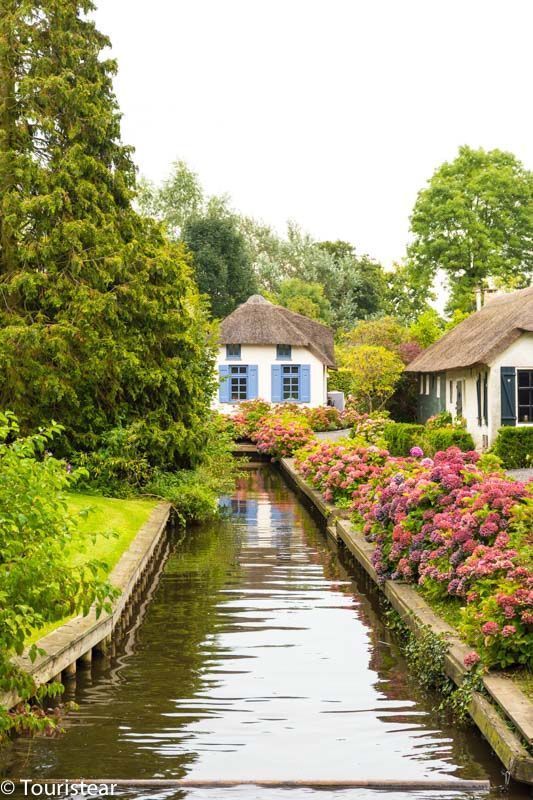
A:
x: 458, y: 531
x: 248, y: 419
x: 280, y: 435
x: 337, y: 468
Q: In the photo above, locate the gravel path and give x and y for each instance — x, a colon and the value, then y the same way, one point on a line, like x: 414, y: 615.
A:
x: 333, y: 436
x: 521, y: 474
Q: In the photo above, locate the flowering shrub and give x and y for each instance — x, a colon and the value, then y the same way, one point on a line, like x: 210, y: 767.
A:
x: 337, y: 468
x: 324, y: 418
x: 246, y: 421
x: 280, y: 435
x: 458, y: 531
x: 368, y: 429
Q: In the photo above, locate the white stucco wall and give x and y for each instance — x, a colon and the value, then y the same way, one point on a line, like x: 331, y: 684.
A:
x: 470, y: 407
x: 264, y: 356
x: 518, y: 355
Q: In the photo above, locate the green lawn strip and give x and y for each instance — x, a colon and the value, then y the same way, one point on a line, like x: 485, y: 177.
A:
x: 106, y: 515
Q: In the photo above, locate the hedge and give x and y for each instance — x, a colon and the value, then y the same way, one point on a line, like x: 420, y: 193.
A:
x: 436, y: 439
x: 515, y: 447
x: 402, y: 436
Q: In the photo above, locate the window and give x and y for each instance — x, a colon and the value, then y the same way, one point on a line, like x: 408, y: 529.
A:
x: 283, y: 352
x: 421, y: 383
x: 233, y: 351
x: 238, y: 383
x: 290, y: 383
x: 451, y: 391
x: 525, y: 395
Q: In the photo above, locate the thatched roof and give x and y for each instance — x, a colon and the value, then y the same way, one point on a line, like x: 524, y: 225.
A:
x: 259, y: 322
x: 482, y: 336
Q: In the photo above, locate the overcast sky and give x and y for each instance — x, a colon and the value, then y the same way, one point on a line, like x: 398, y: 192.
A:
x: 332, y: 113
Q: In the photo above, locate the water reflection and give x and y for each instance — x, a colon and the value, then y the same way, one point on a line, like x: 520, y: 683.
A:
x: 258, y: 657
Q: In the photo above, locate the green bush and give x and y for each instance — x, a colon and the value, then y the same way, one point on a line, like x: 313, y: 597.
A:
x: 435, y: 439
x: 119, y: 469
x: 515, y: 447
x: 38, y: 583
x: 401, y: 436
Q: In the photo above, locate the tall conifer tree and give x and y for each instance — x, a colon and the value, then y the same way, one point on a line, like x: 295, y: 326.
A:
x: 101, y: 324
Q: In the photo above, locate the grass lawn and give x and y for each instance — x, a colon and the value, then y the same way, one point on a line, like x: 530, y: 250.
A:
x: 121, y: 517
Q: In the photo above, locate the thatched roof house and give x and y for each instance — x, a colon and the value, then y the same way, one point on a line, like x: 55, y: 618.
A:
x: 257, y: 321
x: 269, y: 352
x: 482, y: 336
x: 482, y: 369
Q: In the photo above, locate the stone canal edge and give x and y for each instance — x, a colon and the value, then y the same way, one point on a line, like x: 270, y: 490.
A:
x: 506, y: 720
x: 75, y: 641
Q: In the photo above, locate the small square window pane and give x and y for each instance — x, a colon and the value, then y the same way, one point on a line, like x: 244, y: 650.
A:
x: 233, y: 351
x: 283, y: 351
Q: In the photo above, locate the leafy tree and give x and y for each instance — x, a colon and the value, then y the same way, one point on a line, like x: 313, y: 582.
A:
x: 474, y: 221
x: 369, y: 373
x: 38, y: 583
x: 385, y: 332
x: 101, y: 324
x: 304, y: 298
x: 427, y: 328
x: 222, y: 263
x: 405, y: 297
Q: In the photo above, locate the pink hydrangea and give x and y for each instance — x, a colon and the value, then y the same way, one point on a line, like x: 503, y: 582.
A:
x: 471, y: 659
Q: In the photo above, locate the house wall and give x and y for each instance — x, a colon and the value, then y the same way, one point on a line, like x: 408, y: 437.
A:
x: 264, y: 356
x: 469, y: 377
x: 518, y: 355
x: 431, y: 395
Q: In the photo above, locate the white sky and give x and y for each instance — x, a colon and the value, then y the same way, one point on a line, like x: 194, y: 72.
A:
x: 330, y: 112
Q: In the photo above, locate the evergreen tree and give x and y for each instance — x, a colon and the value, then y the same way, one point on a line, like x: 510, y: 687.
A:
x: 222, y: 261
x: 101, y: 324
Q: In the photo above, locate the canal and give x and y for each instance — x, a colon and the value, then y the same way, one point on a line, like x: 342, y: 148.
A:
x: 258, y: 655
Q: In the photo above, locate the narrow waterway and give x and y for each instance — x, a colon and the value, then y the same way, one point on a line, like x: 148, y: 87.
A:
x: 258, y: 656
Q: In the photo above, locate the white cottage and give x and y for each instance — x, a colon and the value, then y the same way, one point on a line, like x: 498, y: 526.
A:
x: 269, y: 352
x: 482, y: 369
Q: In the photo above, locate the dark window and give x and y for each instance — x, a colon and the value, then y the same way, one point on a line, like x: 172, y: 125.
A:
x: 451, y: 391
x: 525, y: 395
x: 283, y: 352
x: 290, y: 386
x: 238, y: 383
x: 233, y: 351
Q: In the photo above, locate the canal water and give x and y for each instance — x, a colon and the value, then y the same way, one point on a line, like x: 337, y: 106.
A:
x: 258, y: 656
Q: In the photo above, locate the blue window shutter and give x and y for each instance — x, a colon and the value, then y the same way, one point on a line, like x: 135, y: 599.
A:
x: 224, y: 386
x: 508, y: 395
x: 486, y: 399
x: 276, y: 384
x: 252, y: 382
x: 305, y: 383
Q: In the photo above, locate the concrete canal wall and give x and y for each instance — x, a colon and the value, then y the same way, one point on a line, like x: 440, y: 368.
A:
x: 72, y: 644
x: 506, y: 719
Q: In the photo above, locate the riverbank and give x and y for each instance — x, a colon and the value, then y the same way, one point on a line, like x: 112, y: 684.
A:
x: 506, y: 723
x: 106, y: 527
x: 75, y: 640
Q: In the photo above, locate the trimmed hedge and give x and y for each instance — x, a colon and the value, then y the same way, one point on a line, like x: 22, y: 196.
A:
x: 435, y: 439
x: 402, y: 436
x: 515, y: 447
